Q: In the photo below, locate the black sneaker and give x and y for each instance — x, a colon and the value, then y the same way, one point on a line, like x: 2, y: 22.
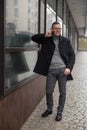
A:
x: 46, y: 113
x: 58, y: 117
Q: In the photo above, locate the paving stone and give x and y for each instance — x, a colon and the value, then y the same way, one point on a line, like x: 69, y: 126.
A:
x: 75, y: 111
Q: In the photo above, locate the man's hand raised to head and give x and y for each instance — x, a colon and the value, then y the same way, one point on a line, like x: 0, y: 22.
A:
x: 49, y: 33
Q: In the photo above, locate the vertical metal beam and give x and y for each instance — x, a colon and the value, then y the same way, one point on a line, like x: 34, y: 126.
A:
x: 45, y: 11
x: 66, y: 19
x: 69, y: 33
x: 86, y: 18
x: 39, y: 10
x: 1, y: 48
x: 62, y: 17
x: 56, y: 9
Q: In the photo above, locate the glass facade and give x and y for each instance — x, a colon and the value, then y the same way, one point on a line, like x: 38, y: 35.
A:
x: 50, y: 17
x: 21, y: 22
x: 51, y: 13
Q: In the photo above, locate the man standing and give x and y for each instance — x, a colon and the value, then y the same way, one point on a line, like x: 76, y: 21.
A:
x: 56, y: 60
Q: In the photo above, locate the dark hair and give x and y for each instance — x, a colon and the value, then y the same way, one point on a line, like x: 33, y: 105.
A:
x: 54, y: 23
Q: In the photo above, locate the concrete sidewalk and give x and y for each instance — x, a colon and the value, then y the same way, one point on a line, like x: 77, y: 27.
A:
x: 75, y: 111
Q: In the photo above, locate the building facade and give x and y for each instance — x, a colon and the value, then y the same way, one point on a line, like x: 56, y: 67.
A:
x: 20, y: 88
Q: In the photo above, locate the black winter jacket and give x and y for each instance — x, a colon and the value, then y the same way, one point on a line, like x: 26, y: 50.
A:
x: 47, y: 49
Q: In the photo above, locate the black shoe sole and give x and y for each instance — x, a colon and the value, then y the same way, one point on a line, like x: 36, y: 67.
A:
x: 58, y: 119
x: 43, y: 115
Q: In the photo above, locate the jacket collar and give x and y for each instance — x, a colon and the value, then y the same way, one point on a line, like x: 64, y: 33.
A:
x: 60, y: 38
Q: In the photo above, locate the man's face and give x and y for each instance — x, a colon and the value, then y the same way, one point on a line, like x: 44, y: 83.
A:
x: 56, y: 29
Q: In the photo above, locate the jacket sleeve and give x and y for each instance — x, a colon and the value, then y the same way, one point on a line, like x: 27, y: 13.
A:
x: 39, y: 38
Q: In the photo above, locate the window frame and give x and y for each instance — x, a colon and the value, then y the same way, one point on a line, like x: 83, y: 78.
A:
x: 1, y: 48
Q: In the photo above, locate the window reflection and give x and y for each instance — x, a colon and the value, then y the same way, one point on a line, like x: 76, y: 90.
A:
x: 51, y: 17
x: 14, y: 39
x: 21, y: 22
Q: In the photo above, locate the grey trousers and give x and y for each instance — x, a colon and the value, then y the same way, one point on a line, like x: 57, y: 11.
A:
x: 53, y: 76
